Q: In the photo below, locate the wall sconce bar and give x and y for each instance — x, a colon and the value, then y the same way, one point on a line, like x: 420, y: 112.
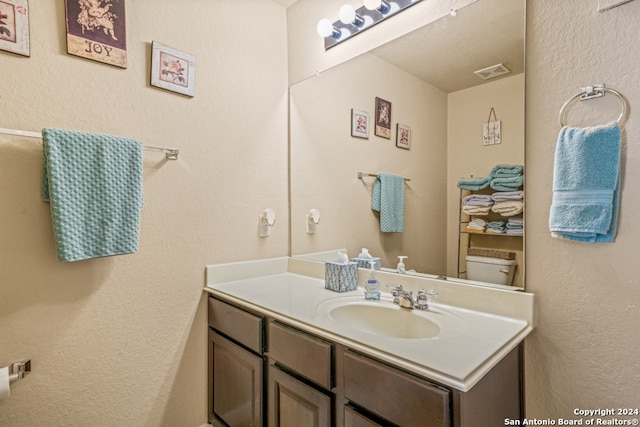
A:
x: 364, y: 19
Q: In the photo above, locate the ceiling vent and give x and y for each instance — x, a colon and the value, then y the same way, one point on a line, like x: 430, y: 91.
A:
x: 492, y: 72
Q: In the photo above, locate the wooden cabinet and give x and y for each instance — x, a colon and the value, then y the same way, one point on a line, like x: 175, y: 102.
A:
x: 236, y: 383
x: 293, y: 403
x: 266, y: 372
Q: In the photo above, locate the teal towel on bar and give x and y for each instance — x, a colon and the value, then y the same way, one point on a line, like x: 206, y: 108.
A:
x: 586, y: 182
x: 94, y: 185
x: 388, y: 199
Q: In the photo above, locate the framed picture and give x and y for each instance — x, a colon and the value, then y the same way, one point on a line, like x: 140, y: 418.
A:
x: 383, y: 118
x: 172, y: 69
x: 359, y: 123
x: 96, y: 30
x: 403, y: 136
x: 14, y: 26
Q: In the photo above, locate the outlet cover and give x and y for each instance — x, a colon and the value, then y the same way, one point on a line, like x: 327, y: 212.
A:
x: 604, y: 5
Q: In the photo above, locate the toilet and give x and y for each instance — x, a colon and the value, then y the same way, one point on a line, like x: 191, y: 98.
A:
x: 492, y: 270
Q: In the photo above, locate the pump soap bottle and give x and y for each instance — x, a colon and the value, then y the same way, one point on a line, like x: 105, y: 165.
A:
x: 401, y: 268
x: 372, y: 285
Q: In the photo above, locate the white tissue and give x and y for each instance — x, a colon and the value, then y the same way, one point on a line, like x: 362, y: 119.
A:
x: 4, y: 383
x: 365, y: 254
x: 342, y: 258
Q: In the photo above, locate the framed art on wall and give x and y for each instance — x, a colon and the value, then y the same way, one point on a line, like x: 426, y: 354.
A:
x: 403, y: 136
x: 96, y: 30
x: 359, y: 123
x: 14, y: 26
x: 383, y: 118
x: 172, y: 69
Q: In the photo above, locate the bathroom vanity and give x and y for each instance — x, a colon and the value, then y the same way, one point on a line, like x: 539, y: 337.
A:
x: 282, y: 352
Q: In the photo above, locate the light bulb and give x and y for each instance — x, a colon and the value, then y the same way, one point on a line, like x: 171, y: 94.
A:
x: 326, y: 29
x: 381, y: 6
x: 348, y: 15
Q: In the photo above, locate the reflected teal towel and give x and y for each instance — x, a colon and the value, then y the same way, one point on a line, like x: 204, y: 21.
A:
x: 505, y: 171
x: 507, y: 183
x: 586, y: 184
x: 94, y: 185
x: 474, y: 184
x: 388, y: 199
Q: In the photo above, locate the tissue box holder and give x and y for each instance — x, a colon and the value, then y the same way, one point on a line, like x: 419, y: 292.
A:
x: 364, y: 262
x: 341, y: 277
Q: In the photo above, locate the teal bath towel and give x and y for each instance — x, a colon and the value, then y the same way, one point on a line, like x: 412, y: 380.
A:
x: 586, y: 179
x: 474, y: 184
x: 94, y: 185
x: 388, y: 199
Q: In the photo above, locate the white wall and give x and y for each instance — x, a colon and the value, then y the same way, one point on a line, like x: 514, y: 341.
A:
x: 121, y: 341
x: 325, y: 159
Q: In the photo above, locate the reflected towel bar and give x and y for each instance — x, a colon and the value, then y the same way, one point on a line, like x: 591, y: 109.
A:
x: 375, y: 175
x: 170, y: 153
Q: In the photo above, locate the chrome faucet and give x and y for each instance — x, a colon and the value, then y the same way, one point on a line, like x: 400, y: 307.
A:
x: 405, y: 299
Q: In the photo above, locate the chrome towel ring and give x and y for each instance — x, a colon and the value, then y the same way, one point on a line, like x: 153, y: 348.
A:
x: 591, y: 92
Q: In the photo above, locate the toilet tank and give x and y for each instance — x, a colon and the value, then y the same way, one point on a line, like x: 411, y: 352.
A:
x: 492, y: 270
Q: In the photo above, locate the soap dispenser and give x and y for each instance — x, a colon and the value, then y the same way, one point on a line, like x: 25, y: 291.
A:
x: 401, y: 268
x: 372, y: 285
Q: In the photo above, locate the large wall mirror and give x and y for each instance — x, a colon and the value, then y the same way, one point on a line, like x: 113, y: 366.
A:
x: 428, y: 77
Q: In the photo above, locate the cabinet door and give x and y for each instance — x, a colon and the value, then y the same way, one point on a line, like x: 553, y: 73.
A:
x: 293, y: 403
x: 353, y: 418
x: 235, y: 383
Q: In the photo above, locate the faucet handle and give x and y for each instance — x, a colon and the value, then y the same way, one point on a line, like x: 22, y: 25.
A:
x: 431, y: 295
x: 394, y: 287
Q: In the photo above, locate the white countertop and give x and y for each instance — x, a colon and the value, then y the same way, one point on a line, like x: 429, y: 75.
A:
x: 275, y: 288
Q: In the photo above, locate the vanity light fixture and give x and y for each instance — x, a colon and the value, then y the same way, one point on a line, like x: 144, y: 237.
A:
x: 353, y: 21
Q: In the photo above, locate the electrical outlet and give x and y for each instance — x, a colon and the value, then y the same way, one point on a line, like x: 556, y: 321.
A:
x: 263, y: 228
x: 604, y: 5
x: 311, y: 226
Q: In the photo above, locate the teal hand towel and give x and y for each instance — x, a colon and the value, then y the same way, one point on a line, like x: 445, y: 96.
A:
x: 505, y: 171
x: 474, y: 184
x: 586, y: 179
x: 94, y: 185
x: 388, y: 199
x: 507, y: 183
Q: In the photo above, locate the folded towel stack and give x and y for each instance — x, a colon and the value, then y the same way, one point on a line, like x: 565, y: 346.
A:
x: 477, y: 225
x: 497, y: 227
x: 477, y: 200
x: 515, y: 226
x: 508, y: 207
x: 501, y: 196
x: 474, y: 184
x: 507, y: 177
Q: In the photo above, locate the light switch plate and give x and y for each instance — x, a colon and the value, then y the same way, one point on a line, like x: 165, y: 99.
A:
x: 609, y: 4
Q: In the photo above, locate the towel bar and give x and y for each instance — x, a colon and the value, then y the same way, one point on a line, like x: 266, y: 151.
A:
x: 375, y: 175
x: 170, y: 153
x: 590, y: 92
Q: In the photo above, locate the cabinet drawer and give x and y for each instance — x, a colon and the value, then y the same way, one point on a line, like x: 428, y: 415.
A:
x: 242, y: 326
x: 353, y: 418
x: 305, y: 354
x: 393, y: 394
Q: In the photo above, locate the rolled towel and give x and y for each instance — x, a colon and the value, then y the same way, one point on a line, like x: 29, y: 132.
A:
x: 508, y: 208
x: 478, y: 224
x: 478, y: 200
x: 507, y: 195
x: 505, y: 171
x: 496, y: 231
x: 497, y: 224
x: 507, y: 183
x: 474, y: 183
x: 476, y: 210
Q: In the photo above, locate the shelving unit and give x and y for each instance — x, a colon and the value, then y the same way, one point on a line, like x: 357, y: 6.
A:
x: 507, y: 241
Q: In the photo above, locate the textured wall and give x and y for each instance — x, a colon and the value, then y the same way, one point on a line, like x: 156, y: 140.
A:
x: 121, y: 341
x: 584, y: 353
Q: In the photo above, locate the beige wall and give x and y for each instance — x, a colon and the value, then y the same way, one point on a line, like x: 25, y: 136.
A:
x: 325, y: 159
x: 466, y: 156
x: 121, y: 341
x: 583, y: 353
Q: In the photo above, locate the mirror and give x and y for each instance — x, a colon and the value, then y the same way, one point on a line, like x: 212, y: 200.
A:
x: 428, y: 78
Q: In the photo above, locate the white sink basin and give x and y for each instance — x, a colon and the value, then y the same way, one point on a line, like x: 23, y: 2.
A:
x: 383, y: 318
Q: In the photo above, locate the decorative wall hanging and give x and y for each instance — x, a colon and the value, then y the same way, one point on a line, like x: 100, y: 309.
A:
x: 491, y: 131
x: 383, y: 118
x: 403, y: 136
x: 96, y: 29
x: 14, y: 26
x: 172, y: 69
x: 359, y: 123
